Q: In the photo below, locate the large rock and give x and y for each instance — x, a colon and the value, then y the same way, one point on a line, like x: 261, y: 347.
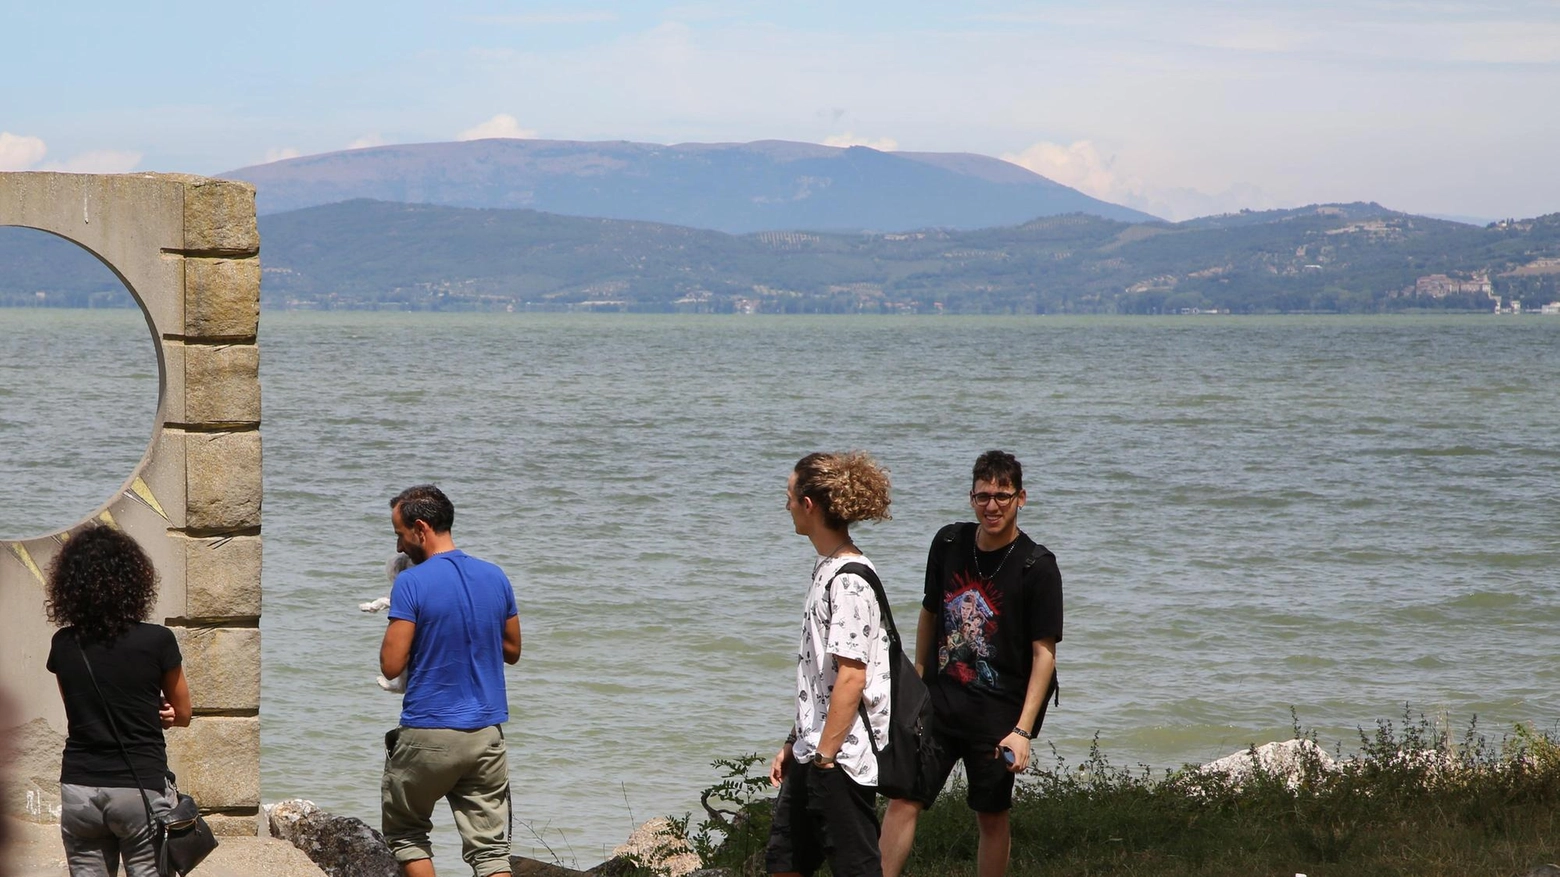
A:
x: 340, y: 845
x: 520, y: 866
x: 1287, y: 759
x: 656, y: 846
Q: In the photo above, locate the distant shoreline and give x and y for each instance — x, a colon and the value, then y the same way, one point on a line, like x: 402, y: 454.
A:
x: 610, y: 312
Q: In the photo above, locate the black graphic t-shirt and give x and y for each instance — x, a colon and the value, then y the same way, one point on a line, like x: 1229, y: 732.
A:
x: 990, y: 609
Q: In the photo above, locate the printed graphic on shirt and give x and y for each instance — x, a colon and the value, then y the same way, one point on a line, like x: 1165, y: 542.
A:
x: 971, y: 612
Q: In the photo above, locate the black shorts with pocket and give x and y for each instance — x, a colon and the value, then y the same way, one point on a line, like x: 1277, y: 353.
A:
x: 824, y: 815
x: 990, y: 782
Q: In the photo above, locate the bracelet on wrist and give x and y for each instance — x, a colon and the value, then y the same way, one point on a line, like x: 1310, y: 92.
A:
x: 1022, y: 733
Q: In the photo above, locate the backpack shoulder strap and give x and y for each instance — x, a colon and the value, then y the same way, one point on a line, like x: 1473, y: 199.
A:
x: 871, y: 577
x: 1035, y: 554
x: 895, y: 647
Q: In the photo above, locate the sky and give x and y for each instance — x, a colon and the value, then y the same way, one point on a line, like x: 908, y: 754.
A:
x: 1177, y: 108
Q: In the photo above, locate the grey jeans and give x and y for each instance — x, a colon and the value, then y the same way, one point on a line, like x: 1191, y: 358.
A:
x: 102, y: 825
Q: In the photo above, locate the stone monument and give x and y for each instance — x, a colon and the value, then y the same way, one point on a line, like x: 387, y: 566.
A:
x: 187, y: 248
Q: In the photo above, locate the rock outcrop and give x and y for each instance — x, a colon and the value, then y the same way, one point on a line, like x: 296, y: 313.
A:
x: 1287, y: 759
x: 656, y: 846
x: 340, y: 845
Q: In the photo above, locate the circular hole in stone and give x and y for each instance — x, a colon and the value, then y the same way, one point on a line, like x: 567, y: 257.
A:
x: 78, y: 383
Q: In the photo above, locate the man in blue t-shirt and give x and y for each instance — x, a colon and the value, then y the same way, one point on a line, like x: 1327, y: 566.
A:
x: 453, y: 627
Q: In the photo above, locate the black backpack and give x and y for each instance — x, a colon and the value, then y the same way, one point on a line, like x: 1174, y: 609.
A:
x: 949, y: 534
x: 910, y: 750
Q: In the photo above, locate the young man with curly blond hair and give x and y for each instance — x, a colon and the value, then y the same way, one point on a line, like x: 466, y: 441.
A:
x: 826, y: 771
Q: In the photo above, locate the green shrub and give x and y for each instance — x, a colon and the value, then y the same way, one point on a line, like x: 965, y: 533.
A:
x: 1410, y: 800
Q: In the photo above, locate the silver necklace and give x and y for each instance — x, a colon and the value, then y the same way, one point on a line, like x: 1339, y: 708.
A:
x: 975, y: 558
x: 830, y: 556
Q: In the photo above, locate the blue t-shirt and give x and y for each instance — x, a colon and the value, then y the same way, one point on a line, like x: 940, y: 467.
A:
x: 455, y: 678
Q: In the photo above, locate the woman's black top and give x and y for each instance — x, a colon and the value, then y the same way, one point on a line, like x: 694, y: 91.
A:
x: 130, y: 671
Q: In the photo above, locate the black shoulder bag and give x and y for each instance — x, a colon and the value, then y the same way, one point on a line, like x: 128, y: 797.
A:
x: 910, y: 751
x: 181, y: 838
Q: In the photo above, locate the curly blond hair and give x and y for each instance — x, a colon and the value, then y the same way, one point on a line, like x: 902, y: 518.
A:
x: 849, y: 487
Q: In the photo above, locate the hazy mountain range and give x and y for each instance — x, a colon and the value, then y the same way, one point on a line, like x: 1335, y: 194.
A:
x: 1337, y: 257
x: 732, y: 187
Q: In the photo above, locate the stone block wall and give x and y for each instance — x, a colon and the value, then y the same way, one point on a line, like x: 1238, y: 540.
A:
x: 188, y: 249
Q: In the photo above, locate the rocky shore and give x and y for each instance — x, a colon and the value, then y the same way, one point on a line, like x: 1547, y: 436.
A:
x: 306, y: 841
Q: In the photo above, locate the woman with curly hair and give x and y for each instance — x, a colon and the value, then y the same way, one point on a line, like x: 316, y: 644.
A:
x: 100, y: 588
x: 826, y: 771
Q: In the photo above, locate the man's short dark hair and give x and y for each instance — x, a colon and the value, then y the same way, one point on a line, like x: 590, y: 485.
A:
x: 992, y: 467
x: 425, y: 502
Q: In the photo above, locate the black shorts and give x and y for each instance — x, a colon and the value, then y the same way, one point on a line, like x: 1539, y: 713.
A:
x: 990, y: 782
x: 822, y: 814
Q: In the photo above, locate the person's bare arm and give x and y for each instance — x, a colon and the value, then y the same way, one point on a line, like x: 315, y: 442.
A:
x: 1044, y: 664
x: 396, y: 650
x: 176, y: 693
x: 925, y: 641
x: 849, y: 681
x: 511, y: 640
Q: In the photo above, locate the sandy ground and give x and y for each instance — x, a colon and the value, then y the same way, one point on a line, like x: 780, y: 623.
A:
x: 36, y: 852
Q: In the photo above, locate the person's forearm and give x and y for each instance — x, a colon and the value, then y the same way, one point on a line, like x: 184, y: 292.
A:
x: 925, y: 640
x: 1040, y: 670
x: 844, y: 700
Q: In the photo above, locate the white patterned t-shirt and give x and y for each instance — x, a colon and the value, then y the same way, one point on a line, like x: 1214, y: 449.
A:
x: 841, y: 617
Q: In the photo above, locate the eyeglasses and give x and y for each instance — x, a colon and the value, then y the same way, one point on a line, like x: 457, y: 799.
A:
x: 982, y: 498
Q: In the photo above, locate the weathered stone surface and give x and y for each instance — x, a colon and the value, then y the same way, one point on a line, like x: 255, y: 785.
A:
x: 126, y: 219
x: 217, y: 760
x: 221, y: 384
x: 222, y: 577
x: 146, y: 226
x: 1288, y: 759
x: 219, y: 217
x: 340, y: 845
x: 223, y: 491
x: 164, y: 477
x: 220, y: 664
x: 656, y: 845
x: 520, y: 866
x: 33, y: 793
x: 233, y: 825
x: 1544, y: 871
x: 221, y: 298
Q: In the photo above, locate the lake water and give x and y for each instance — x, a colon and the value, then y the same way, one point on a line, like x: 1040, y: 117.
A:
x: 1336, y: 515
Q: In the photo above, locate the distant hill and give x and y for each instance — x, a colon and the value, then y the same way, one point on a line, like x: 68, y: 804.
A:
x: 770, y: 185
x: 1346, y: 257
x: 1360, y: 258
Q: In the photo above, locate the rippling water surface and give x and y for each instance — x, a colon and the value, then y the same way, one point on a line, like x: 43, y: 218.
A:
x: 1334, y: 515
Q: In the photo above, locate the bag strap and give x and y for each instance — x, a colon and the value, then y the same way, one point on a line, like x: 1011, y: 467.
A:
x: 895, y: 647
x: 114, y: 727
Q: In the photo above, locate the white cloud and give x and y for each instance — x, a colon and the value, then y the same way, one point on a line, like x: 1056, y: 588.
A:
x: 18, y: 153
x: 502, y: 125
x: 1079, y: 165
x: 99, y: 161
x: 849, y: 138
x: 367, y: 141
x: 1082, y: 166
x: 281, y: 153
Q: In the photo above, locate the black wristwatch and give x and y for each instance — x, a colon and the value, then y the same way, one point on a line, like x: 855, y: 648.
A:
x: 821, y: 760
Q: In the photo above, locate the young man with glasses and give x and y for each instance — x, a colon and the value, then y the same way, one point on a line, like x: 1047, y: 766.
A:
x: 986, y: 646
